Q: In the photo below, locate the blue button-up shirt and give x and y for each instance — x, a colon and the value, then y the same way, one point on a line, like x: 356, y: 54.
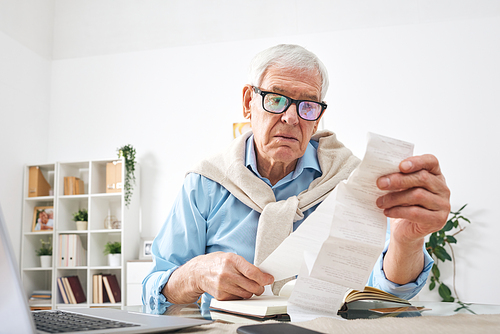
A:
x: 207, y: 218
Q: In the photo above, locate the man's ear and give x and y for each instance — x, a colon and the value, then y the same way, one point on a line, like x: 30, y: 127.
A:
x: 247, y: 99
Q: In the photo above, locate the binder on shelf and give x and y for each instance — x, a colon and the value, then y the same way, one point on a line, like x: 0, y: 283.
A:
x: 114, y: 183
x: 112, y: 288
x: 71, y: 251
x: 73, y: 186
x: 37, y: 185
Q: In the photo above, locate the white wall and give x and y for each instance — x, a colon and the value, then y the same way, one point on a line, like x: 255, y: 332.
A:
x: 24, y: 119
x: 425, y: 72
x: 25, y: 69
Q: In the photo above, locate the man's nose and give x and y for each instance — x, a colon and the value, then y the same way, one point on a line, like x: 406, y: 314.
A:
x: 290, y: 116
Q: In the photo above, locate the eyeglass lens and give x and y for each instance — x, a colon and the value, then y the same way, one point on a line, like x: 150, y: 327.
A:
x: 277, y: 104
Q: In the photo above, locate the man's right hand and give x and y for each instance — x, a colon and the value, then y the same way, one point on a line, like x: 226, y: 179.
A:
x: 225, y: 276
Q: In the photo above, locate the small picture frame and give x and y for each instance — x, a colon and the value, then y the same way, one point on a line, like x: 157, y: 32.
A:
x: 146, y: 245
x: 43, y: 219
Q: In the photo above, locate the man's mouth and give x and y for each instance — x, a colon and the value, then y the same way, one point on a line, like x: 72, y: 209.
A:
x: 286, y: 137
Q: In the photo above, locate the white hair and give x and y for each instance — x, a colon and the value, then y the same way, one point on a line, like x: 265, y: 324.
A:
x: 287, y: 56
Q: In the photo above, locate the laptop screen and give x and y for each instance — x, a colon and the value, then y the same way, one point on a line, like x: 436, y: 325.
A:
x: 15, y: 316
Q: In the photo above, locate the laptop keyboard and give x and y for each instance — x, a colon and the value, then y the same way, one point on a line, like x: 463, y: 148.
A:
x: 62, y: 322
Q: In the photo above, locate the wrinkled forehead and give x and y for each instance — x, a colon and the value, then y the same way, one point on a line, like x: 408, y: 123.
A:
x: 305, y: 82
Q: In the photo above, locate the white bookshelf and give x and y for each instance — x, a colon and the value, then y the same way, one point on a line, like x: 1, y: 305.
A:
x: 98, y: 203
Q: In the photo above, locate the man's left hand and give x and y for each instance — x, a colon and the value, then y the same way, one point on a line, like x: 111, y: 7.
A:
x: 418, y: 204
x: 419, y: 199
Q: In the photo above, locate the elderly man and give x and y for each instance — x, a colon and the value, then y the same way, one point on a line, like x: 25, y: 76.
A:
x: 215, y: 233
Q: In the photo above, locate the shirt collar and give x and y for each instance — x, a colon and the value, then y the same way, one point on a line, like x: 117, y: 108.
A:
x: 308, y: 160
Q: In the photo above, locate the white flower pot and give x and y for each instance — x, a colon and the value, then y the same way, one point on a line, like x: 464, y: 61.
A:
x: 46, y: 261
x: 114, y: 260
x: 81, y: 225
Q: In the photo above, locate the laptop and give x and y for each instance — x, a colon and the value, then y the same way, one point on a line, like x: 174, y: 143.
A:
x: 16, y: 317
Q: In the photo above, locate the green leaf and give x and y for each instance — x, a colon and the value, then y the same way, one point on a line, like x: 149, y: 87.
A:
x: 466, y: 219
x: 442, y: 254
x: 448, y: 226
x: 445, y: 293
x: 435, y: 271
x: 432, y: 286
x: 433, y: 240
x: 451, y: 239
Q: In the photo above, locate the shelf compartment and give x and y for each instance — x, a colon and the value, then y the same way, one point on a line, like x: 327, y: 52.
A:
x: 96, y: 247
x: 37, y: 280
x: 82, y: 276
x: 101, y: 207
x: 29, y: 212
x: 98, y: 183
x: 48, y: 172
x: 69, y: 206
x: 77, y: 169
x: 95, y: 271
x: 31, y: 244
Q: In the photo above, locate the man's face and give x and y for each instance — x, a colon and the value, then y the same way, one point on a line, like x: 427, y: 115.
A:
x: 44, y: 218
x: 282, y: 138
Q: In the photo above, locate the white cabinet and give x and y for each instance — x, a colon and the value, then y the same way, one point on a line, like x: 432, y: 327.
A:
x: 136, y: 271
x: 99, y: 205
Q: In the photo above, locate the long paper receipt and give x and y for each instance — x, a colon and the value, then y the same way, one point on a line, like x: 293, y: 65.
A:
x: 341, y: 240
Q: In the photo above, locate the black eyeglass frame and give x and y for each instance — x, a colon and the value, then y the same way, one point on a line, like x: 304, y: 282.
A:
x: 290, y: 101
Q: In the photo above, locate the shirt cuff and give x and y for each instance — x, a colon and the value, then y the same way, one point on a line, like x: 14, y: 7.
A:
x: 406, y: 291
x: 152, y: 297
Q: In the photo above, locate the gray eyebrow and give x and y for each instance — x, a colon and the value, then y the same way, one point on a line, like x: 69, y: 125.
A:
x: 282, y: 91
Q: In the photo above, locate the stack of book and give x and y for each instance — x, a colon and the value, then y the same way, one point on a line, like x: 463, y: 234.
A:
x: 71, y: 251
x: 106, y: 289
x: 73, y: 186
x: 71, y: 290
x: 40, y: 299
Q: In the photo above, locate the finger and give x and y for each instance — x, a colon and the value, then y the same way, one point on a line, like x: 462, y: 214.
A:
x: 426, y: 162
x: 253, y: 273
x: 412, y: 197
x: 419, y: 179
x: 231, y: 275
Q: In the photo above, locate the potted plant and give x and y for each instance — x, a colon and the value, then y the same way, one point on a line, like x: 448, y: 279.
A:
x: 436, y: 248
x: 81, y: 218
x: 45, y: 253
x: 113, y: 250
x: 128, y: 153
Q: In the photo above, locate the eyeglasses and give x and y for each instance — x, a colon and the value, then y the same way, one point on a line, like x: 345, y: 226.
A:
x: 278, y: 104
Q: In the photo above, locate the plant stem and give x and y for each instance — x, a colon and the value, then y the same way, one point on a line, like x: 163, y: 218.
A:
x: 454, y: 270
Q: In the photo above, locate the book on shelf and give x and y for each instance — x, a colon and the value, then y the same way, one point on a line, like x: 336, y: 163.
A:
x: 68, y: 290
x: 62, y: 290
x: 112, y: 288
x: 41, y: 294
x: 73, y: 186
x: 76, y: 289
x: 38, y: 302
x: 370, y: 299
x: 71, y: 290
x: 71, y: 251
x: 37, y: 185
x: 99, y: 292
